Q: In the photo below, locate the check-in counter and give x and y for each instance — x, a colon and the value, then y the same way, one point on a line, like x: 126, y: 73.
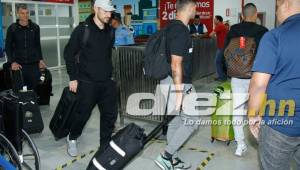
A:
x: 128, y: 72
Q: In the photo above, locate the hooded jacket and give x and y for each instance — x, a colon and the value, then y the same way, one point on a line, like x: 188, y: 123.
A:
x: 94, y: 63
x: 23, y: 44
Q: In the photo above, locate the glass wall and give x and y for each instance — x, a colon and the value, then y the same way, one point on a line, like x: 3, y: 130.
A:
x: 7, y: 17
x: 56, y: 27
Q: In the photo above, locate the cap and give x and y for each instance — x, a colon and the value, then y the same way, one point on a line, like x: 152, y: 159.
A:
x: 105, y: 5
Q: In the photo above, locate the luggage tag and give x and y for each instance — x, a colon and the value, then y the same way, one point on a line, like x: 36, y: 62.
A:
x: 242, y: 42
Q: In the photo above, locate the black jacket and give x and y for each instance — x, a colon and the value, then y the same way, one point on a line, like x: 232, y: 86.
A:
x: 247, y: 29
x: 193, y: 29
x: 23, y: 44
x: 95, y: 62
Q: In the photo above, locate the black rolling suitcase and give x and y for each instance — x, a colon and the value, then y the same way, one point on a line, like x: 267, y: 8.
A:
x: 123, y: 147
x: 2, y: 80
x: 5, y: 77
x: 13, y: 121
x: 44, y: 89
x: 23, y: 107
x: 61, y: 121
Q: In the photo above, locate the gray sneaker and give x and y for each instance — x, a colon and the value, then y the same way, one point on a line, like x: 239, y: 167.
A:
x: 72, y: 147
x: 163, y: 163
x: 178, y: 164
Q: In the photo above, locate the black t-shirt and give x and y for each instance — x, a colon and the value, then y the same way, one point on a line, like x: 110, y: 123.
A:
x: 180, y: 43
x: 248, y: 29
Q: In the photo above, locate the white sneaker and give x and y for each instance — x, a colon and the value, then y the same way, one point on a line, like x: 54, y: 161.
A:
x: 241, y: 148
x: 72, y: 147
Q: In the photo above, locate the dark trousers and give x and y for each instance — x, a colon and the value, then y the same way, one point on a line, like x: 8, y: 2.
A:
x: 31, y: 75
x: 276, y: 150
x: 220, y: 64
x: 105, y: 96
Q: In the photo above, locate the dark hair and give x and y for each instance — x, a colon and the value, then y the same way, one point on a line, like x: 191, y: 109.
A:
x: 180, y: 4
x: 249, y: 10
x: 219, y: 18
x: 116, y: 16
x: 21, y: 6
x: 197, y: 16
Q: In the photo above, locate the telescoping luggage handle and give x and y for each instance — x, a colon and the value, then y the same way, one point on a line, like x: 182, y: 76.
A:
x: 15, y: 84
x: 167, y: 120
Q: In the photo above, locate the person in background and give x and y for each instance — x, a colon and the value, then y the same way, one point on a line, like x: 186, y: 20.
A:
x: 197, y: 28
x: 23, y: 48
x: 91, y: 77
x: 247, y: 28
x: 227, y: 24
x: 276, y: 73
x: 123, y: 36
x: 220, y: 31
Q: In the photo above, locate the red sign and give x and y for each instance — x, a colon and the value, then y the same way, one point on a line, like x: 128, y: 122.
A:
x: 205, y: 9
x: 61, y: 1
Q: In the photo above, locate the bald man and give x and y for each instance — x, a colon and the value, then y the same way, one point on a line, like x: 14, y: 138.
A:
x: 277, y: 74
x: 239, y: 84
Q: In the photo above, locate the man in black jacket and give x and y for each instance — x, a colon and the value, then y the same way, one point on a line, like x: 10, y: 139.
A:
x: 23, y: 47
x: 90, y: 74
x: 197, y: 28
x: 247, y: 28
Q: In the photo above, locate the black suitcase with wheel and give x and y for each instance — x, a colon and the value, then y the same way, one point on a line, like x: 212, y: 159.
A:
x: 63, y: 116
x: 5, y: 77
x: 44, y: 88
x: 123, y: 147
x: 23, y: 108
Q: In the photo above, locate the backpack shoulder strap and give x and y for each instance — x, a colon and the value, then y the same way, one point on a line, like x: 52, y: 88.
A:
x: 86, y: 34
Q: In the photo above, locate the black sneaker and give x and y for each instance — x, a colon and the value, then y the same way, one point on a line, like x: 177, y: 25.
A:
x: 178, y: 164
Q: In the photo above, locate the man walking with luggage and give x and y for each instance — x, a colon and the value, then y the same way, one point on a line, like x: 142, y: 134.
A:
x: 23, y: 48
x: 90, y: 74
x: 180, y: 49
x: 246, y: 31
x: 277, y: 74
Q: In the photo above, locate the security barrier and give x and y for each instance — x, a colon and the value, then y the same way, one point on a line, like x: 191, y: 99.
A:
x: 128, y: 72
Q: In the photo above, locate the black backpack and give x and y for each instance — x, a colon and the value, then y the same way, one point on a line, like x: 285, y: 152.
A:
x: 156, y: 64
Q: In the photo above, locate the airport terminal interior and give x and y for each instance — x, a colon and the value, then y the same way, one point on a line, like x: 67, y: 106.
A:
x: 141, y: 19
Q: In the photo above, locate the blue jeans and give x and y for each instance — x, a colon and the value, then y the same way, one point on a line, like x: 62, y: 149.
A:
x: 220, y: 64
x: 276, y: 150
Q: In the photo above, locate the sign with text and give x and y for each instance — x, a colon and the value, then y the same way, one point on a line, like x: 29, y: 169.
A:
x: 205, y: 9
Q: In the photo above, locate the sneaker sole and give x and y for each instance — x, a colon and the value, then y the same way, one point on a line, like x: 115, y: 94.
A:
x: 243, y: 152
x: 160, y: 166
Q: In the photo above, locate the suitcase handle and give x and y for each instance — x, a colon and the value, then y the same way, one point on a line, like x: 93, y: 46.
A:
x: 167, y: 120
x: 13, y: 81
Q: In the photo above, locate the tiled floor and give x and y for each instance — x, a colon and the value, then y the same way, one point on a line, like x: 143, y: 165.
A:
x: 53, y: 153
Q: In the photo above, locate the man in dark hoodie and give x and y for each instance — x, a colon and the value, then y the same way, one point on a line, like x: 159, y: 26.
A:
x: 247, y: 28
x: 23, y: 48
x: 90, y: 74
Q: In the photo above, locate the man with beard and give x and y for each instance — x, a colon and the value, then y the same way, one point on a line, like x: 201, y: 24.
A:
x: 89, y: 65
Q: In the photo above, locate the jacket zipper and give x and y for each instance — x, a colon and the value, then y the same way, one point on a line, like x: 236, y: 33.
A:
x: 25, y: 44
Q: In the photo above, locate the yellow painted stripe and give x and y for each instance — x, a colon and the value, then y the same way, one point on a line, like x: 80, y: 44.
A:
x: 205, y: 162
x: 69, y: 163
